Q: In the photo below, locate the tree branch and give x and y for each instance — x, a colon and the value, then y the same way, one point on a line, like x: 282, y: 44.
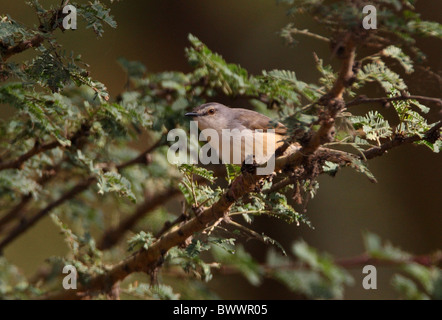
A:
x: 39, y: 148
x: 431, y: 135
x: 36, y: 40
x: 14, y: 213
x: 148, y: 260
x: 142, y: 158
x: 384, y: 100
x: 74, y: 191
x: 112, y: 236
x: 33, y: 42
x: 25, y: 225
x: 333, y: 103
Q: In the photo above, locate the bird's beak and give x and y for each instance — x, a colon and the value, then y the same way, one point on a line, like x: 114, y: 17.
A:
x: 191, y: 114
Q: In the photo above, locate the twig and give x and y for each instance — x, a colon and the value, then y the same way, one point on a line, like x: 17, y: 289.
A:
x: 281, y: 184
x: 147, y: 260
x: 169, y: 224
x: 74, y: 191
x: 348, y: 263
x: 143, y: 158
x: 17, y: 211
x: 112, y: 236
x: 33, y: 42
x: 248, y: 231
x: 25, y: 225
x: 39, y: 148
x: 364, y: 259
x: 333, y: 103
x: 364, y: 99
x: 14, y: 213
x: 307, y: 33
x: 431, y: 135
x: 346, y: 72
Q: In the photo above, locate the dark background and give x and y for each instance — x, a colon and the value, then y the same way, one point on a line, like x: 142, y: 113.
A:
x: 404, y: 207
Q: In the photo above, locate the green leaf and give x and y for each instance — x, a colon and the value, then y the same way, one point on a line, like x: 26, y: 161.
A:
x: 379, y: 72
x: 232, y: 171
x: 196, y: 247
x: 189, y: 259
x: 426, y: 28
x: 322, y: 278
x: 48, y: 70
x: 140, y: 240
x: 408, y: 288
x: 199, y: 171
x: 232, y: 79
x: 96, y: 14
x: 273, y: 242
x: 309, y: 91
x: 134, y: 69
x: 187, y: 192
x: 330, y: 168
x: 242, y: 261
x: 227, y: 244
x: 70, y: 238
x: 435, y: 147
x: 376, y: 249
x: 362, y: 168
x: 411, y: 122
x: 280, y: 208
x: 114, y: 182
x: 373, y: 124
x: 328, y: 76
x: 146, y: 291
x: 397, y: 53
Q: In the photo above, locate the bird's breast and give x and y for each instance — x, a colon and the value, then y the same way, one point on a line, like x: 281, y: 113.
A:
x: 236, y: 146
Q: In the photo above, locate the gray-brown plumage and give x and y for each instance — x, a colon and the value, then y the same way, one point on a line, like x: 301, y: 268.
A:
x: 267, y: 135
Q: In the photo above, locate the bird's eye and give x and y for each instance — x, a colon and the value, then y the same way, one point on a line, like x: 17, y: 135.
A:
x: 211, y: 111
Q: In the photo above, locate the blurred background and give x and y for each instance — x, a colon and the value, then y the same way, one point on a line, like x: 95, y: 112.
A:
x: 404, y: 207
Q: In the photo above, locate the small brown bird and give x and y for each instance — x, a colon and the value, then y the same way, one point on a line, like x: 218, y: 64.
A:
x: 256, y: 135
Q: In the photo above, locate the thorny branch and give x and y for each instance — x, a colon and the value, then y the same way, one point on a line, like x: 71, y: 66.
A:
x: 16, y: 212
x: 25, y: 225
x: 148, y: 260
x: 39, y: 148
x: 385, y: 100
x: 74, y: 191
x: 112, y: 236
x: 431, y: 136
x: 33, y: 42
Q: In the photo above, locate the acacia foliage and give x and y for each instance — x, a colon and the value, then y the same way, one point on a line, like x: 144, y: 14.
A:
x: 65, y: 152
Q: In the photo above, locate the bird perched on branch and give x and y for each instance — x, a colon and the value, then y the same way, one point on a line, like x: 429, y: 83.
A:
x: 240, y: 135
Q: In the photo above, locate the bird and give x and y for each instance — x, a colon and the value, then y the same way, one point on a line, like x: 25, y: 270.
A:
x: 252, y: 135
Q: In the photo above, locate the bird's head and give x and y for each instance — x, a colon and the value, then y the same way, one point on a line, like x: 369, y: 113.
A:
x: 211, y: 115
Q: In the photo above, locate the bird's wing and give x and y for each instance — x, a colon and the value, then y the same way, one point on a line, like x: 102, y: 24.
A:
x: 254, y: 120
